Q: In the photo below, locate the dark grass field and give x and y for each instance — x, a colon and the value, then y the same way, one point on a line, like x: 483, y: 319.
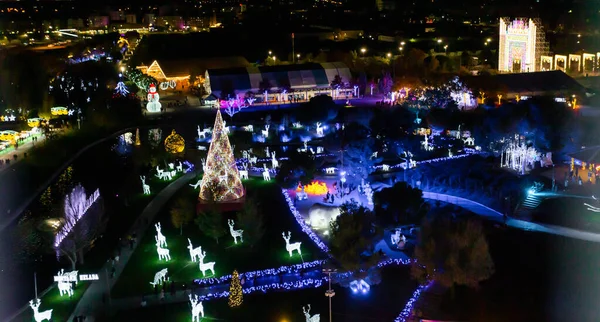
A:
x: 270, y: 252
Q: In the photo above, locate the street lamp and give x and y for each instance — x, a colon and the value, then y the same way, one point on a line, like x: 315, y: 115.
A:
x: 363, y: 51
x: 446, y: 49
x: 389, y: 55
x: 329, y: 293
x: 122, y: 69
x: 270, y: 53
x: 402, y: 43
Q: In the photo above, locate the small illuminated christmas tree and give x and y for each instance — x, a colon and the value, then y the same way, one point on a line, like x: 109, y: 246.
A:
x: 236, y: 296
x: 221, y: 181
x: 121, y: 89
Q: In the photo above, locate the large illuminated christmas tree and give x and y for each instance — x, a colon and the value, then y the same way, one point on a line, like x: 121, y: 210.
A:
x: 221, y: 181
x: 236, y: 297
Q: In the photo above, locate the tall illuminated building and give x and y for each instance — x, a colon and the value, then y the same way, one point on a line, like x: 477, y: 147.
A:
x: 522, y: 43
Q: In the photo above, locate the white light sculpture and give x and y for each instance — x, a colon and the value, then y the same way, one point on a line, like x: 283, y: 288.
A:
x: 225, y: 128
x: 293, y: 246
x: 160, y: 277
x: 202, y: 133
x: 153, y: 105
x: 319, y: 129
x: 197, y: 308
x: 144, y: 185
x: 320, y: 216
x: 249, y: 128
x: 520, y: 45
x: 194, y: 252
x: 76, y: 205
x: 65, y: 288
x: 244, y: 173
x: 469, y: 141
x: 274, y: 162
x: 179, y: 167
x: 161, y: 240
x: 163, y: 253
x: 314, y: 318
x: 171, y: 166
x: 368, y: 193
x: 37, y: 315
x: 517, y: 156
x: 210, y: 266
x: 235, y: 233
x: 265, y: 173
x: 265, y: 132
x: 385, y: 167
x: 197, y: 184
x: 297, y: 125
x: 360, y: 286
x: 121, y: 89
x: 253, y: 160
x: 330, y: 170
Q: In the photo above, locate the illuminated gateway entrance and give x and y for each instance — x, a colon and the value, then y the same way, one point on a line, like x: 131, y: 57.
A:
x: 522, y: 44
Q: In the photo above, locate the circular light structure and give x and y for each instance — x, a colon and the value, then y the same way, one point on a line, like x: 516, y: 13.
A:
x: 174, y: 143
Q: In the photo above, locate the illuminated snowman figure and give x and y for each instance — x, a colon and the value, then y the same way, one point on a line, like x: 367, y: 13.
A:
x: 153, y: 97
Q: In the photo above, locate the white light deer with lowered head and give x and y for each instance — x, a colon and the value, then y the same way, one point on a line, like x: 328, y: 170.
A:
x: 210, y: 266
x: 314, y: 318
x: 194, y: 252
x: 160, y: 277
x: 293, y: 246
x: 197, y: 308
x: 235, y: 233
x: 37, y: 315
x: 145, y: 186
x: 161, y: 240
x: 163, y: 253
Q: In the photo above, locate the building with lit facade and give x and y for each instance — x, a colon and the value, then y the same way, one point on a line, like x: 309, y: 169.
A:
x: 521, y: 46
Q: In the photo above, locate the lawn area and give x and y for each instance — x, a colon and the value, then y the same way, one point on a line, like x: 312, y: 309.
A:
x: 121, y: 219
x: 569, y: 212
x: 270, y: 251
x: 383, y: 303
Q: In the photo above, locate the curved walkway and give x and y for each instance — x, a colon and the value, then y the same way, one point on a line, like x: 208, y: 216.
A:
x: 14, y: 214
x: 91, y: 301
x: 494, y: 215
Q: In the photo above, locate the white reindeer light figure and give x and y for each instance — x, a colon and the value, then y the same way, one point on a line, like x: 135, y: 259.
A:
x: 210, y: 266
x: 469, y: 141
x: 267, y: 152
x: 253, y: 160
x: 163, y: 253
x: 319, y: 129
x: 160, y: 238
x: 194, y: 252
x: 65, y: 287
x: 171, y: 166
x: 385, y: 167
x: 249, y: 128
x: 197, y: 184
x: 145, y: 186
x: 244, y: 173
x: 297, y: 125
x: 225, y: 128
x: 314, y: 318
x: 291, y: 247
x: 180, y: 167
x: 235, y: 233
x: 204, y: 168
x: 160, y: 277
x: 330, y: 170
x: 265, y: 132
x: 274, y: 162
x: 159, y: 172
x: 197, y: 308
x: 266, y: 174
x: 305, y: 148
x: 37, y: 315
x: 71, y: 276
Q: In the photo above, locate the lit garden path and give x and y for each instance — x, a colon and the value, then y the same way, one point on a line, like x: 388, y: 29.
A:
x: 494, y: 215
x: 91, y: 301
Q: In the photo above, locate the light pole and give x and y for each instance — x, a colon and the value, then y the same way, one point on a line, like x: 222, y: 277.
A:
x: 329, y: 293
x: 439, y: 41
x: 363, y: 51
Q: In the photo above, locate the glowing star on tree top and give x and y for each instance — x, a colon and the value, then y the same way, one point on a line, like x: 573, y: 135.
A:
x: 221, y: 181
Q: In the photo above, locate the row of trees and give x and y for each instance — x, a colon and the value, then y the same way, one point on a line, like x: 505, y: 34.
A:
x: 211, y: 222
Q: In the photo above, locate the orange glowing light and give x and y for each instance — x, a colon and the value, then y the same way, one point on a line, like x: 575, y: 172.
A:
x: 314, y: 188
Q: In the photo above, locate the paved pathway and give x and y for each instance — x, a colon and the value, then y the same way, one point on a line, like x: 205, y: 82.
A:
x: 91, y: 301
x: 19, y: 152
x: 494, y: 215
